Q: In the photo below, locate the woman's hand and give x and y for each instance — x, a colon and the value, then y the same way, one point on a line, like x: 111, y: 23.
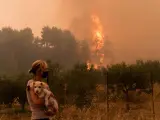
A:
x: 49, y: 113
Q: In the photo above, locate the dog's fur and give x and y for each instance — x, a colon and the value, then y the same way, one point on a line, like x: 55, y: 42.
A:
x: 42, y: 92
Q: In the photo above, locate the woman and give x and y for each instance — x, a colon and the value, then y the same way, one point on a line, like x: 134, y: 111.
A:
x: 37, y: 105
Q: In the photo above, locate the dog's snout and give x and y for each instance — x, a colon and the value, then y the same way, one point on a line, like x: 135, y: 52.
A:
x: 37, y: 92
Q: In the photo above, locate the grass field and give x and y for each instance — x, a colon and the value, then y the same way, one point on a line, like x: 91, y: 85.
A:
x: 96, y: 112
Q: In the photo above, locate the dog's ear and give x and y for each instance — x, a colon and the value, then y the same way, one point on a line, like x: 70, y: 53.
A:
x: 33, y: 83
x: 41, y: 84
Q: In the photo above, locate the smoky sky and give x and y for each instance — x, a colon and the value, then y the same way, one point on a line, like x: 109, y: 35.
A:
x: 132, y: 26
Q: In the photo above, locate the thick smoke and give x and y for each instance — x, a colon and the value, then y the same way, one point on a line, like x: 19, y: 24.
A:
x: 131, y: 26
x: 76, y: 15
x: 80, y: 23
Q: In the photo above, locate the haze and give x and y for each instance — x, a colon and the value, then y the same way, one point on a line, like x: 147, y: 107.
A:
x: 133, y: 27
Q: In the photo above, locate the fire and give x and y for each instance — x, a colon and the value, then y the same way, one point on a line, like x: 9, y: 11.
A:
x: 97, y: 43
x: 88, y: 65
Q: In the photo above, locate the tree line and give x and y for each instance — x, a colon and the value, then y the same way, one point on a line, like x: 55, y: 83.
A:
x: 19, y: 48
x: 79, y: 85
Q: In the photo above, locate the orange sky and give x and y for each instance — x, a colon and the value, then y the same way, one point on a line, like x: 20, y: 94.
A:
x: 31, y: 13
x: 133, y: 26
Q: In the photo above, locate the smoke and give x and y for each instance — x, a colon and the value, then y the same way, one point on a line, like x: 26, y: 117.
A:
x: 131, y: 26
x: 75, y: 15
x: 78, y: 15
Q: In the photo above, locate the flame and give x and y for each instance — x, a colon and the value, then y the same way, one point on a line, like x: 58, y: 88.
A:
x: 88, y: 65
x: 97, y: 43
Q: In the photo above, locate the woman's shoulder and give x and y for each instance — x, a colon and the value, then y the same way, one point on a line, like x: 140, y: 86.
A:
x: 29, y: 82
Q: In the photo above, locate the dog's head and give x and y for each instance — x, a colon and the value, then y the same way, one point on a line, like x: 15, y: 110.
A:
x: 38, y: 87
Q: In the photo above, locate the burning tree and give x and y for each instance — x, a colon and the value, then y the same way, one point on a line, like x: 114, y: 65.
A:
x: 96, y: 43
x: 89, y: 28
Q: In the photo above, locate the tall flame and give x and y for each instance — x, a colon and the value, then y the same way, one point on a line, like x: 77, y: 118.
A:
x: 97, y: 43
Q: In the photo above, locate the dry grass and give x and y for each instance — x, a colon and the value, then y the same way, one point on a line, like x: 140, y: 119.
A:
x: 98, y: 111
x: 21, y: 116
x: 95, y: 112
x: 116, y: 111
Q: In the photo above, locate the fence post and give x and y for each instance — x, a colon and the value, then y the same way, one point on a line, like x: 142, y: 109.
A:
x: 65, y: 94
x: 106, y: 91
x: 151, y: 80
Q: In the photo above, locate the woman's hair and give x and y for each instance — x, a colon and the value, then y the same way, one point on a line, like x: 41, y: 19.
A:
x: 38, y: 65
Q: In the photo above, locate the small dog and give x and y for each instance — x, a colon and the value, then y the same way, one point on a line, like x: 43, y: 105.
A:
x: 42, y: 92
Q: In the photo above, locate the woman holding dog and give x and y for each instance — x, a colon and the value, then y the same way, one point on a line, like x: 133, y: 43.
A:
x: 37, y: 105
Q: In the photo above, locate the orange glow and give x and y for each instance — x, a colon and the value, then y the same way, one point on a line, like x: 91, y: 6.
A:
x: 88, y: 65
x: 97, y: 43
